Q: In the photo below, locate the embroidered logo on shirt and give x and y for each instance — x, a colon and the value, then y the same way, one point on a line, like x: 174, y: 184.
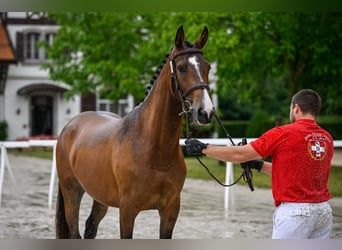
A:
x: 317, y: 149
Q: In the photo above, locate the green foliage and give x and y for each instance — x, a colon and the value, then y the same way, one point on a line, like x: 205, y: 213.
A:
x: 3, y: 130
x: 262, y: 58
x: 332, y: 124
x: 235, y: 128
x: 260, y: 123
x: 198, y: 131
x: 97, y: 51
x: 269, y: 56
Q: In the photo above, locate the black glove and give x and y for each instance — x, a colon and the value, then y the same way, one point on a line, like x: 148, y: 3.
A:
x: 255, y: 164
x: 194, y: 147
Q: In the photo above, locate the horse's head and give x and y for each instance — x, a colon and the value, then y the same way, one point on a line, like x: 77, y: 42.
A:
x: 190, y: 76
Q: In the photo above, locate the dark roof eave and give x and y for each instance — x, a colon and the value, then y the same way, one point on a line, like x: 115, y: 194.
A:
x: 29, y: 89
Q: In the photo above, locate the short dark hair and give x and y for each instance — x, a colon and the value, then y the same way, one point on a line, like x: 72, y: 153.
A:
x: 308, y: 100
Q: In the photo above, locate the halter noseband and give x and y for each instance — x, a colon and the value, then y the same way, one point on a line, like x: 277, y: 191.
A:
x: 183, y: 94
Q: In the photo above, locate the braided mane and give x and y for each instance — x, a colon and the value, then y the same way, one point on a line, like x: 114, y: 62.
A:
x: 153, y: 80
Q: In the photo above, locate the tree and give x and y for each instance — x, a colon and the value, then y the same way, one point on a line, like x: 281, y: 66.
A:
x: 262, y: 58
x: 269, y: 56
x: 97, y: 51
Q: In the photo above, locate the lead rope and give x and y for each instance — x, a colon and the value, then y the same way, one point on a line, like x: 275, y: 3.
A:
x: 246, y: 174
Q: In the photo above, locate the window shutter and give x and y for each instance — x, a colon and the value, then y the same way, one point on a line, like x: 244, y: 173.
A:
x: 20, y: 46
x: 88, y: 102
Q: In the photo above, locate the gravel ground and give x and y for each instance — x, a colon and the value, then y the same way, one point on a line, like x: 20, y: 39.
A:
x: 24, y: 213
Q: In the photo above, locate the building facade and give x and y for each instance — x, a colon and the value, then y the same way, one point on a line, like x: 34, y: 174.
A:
x: 30, y: 102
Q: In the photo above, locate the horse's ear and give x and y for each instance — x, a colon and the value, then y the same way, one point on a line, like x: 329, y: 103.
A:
x: 202, y: 40
x: 179, y: 38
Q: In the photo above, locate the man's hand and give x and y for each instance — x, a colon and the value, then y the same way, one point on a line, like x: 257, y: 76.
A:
x: 194, y: 147
x: 256, y: 164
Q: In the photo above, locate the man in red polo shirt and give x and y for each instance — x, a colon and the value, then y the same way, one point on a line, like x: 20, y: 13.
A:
x: 301, y: 156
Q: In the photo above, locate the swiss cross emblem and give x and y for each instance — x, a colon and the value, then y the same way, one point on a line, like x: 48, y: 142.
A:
x: 317, y: 149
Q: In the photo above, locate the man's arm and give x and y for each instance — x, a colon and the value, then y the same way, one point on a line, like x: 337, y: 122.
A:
x: 236, y: 154
x: 243, y: 154
x: 232, y: 153
x: 267, y: 168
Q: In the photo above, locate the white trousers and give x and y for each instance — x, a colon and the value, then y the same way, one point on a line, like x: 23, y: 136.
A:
x: 302, y: 221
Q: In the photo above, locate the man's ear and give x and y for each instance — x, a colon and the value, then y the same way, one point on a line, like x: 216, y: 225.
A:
x: 297, y: 108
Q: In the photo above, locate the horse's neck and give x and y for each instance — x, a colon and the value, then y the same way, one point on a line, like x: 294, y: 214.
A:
x: 159, y: 115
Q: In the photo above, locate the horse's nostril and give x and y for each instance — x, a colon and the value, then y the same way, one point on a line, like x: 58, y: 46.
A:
x: 201, y: 112
x: 204, y: 117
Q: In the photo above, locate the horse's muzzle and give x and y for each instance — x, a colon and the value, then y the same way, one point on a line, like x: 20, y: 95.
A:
x: 203, y: 117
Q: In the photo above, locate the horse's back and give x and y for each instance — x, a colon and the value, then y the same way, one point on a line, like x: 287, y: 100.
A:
x: 85, y: 122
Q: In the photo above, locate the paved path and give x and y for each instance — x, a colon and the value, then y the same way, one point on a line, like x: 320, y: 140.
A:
x: 25, y: 213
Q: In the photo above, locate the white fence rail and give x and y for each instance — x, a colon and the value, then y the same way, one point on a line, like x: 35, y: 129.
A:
x: 5, y: 164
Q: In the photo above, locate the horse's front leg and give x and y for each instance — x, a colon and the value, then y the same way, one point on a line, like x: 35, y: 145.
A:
x: 168, y: 217
x: 127, y: 217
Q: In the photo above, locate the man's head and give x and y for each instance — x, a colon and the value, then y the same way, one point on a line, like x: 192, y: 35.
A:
x: 306, y: 102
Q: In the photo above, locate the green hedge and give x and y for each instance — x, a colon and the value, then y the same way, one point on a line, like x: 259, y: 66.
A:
x: 236, y: 128
x: 333, y: 124
x: 260, y: 123
x: 3, y: 130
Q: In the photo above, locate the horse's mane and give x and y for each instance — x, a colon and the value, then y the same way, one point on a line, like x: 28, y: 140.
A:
x: 153, y: 80
x: 187, y: 44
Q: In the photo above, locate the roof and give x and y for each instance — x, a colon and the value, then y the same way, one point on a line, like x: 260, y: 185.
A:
x: 6, y: 50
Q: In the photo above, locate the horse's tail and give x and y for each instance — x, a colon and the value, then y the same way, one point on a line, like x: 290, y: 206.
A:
x: 62, y: 229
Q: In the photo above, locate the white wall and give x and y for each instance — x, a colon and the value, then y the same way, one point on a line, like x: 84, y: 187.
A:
x: 20, y: 124
x: 23, y: 74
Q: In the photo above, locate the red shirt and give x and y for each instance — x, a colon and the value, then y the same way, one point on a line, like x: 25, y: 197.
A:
x: 301, y: 156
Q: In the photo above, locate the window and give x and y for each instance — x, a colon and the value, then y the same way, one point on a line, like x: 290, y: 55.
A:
x: 32, y: 50
x: 49, y: 37
x: 120, y: 107
x: 105, y: 105
x: 28, y: 49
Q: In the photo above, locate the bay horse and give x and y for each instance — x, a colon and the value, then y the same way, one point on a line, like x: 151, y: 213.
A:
x: 135, y: 162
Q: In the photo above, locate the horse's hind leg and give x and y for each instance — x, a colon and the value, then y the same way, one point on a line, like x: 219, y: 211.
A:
x: 72, y: 200
x: 98, y: 211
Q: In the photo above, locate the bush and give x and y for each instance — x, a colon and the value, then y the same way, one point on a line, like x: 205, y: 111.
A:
x: 332, y: 124
x: 235, y: 128
x: 259, y: 124
x: 3, y: 130
x: 198, y: 131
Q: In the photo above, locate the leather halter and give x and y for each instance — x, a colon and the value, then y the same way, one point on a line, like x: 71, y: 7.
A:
x: 183, y: 94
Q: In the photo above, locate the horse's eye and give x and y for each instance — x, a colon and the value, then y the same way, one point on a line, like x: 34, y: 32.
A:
x: 181, y: 68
